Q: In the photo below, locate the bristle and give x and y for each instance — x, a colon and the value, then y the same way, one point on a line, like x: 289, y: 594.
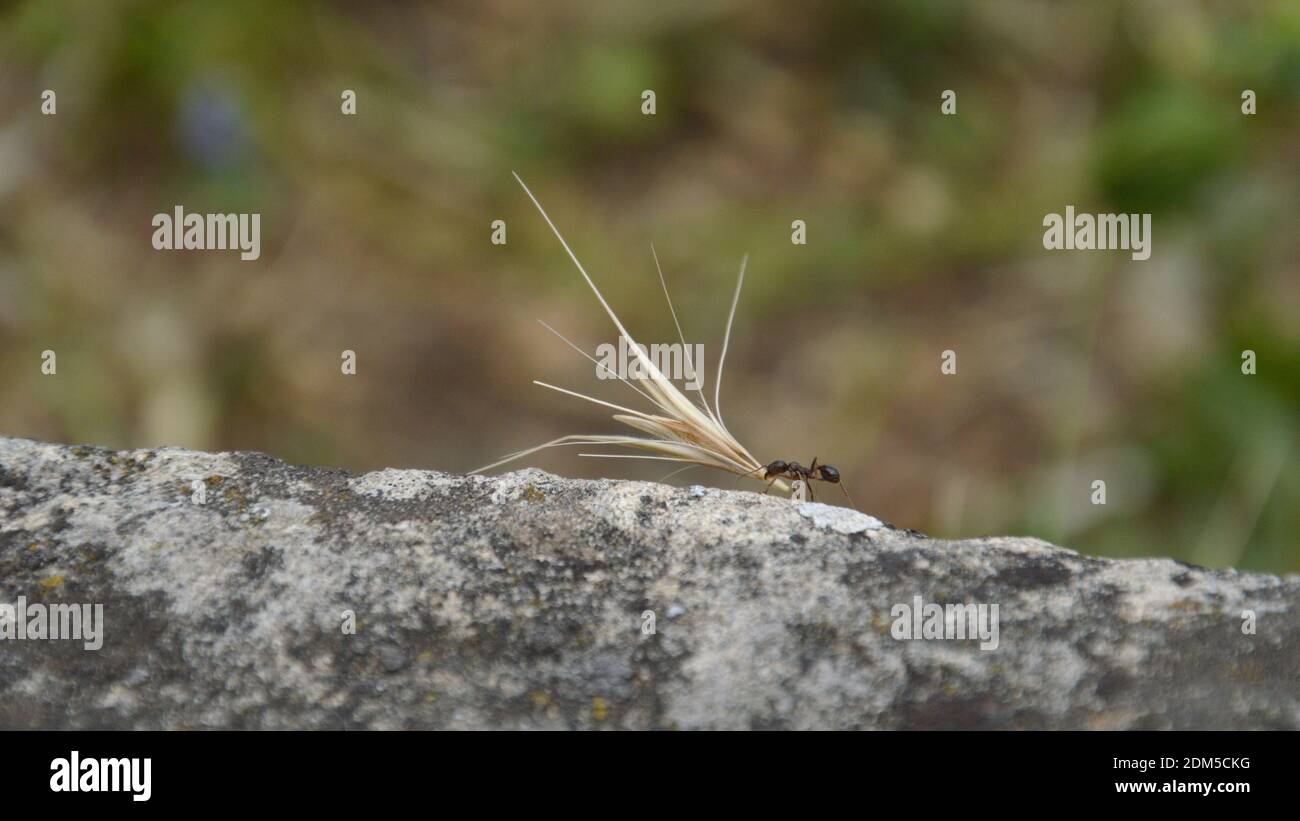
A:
x: 686, y: 349
x: 735, y: 300
x: 589, y: 398
x: 684, y: 432
x: 597, y: 362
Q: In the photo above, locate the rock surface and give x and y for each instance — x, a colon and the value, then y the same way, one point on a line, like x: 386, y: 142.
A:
x: 517, y: 602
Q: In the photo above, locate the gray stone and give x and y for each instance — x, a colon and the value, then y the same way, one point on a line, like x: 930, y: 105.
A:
x: 516, y: 602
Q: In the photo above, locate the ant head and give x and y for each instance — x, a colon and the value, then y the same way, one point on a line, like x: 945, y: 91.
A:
x: 775, y: 468
x: 828, y: 474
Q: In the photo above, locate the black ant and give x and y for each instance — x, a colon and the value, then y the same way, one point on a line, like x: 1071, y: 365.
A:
x: 781, y: 469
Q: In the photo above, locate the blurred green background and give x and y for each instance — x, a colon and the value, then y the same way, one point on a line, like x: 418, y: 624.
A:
x: 924, y: 234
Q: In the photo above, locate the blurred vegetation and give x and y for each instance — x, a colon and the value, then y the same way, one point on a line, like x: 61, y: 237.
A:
x: 925, y: 234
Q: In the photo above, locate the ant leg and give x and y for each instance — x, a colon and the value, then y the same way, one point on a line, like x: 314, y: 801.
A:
x: 769, y: 486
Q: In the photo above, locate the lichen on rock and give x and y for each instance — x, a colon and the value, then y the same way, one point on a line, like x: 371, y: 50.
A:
x: 519, y: 601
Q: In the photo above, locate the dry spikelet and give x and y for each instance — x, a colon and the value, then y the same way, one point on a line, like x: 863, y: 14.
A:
x: 678, y: 430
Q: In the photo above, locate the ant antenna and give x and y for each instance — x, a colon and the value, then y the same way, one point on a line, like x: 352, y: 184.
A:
x: 747, y: 474
x: 847, y: 496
